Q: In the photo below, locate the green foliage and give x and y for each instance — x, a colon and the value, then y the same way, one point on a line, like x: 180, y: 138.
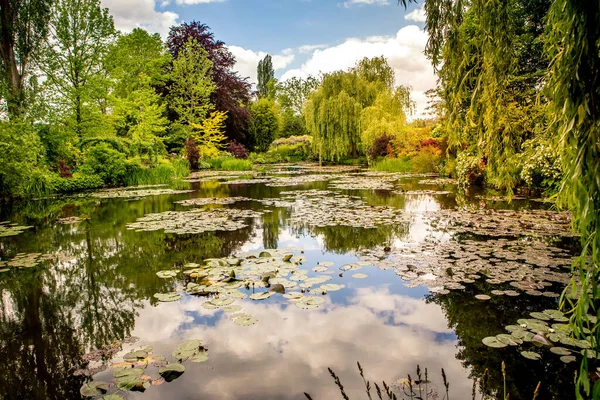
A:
x: 266, y: 75
x: 394, y: 165
x: 292, y: 149
x: 426, y: 161
x: 135, y: 54
x: 192, y: 83
x: 334, y: 112
x: 469, y: 169
x: 541, y: 165
x: 166, y: 172
x: 109, y: 164
x: 77, y: 183
x: 292, y: 124
x: 71, y: 60
x: 23, y: 28
x: 264, y: 124
x: 20, y: 156
x: 236, y: 164
x: 293, y: 93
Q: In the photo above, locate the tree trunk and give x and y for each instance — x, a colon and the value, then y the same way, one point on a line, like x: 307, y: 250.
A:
x: 14, y: 80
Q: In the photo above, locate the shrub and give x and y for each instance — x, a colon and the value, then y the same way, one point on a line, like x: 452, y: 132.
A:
x: 76, y: 184
x: 237, y: 150
x: 381, y: 146
x: 193, y: 154
x: 470, y: 170
x: 265, y: 158
x: 394, y: 165
x: 540, y: 165
x: 107, y: 163
x: 294, y: 148
x: 64, y: 170
x: 427, y: 160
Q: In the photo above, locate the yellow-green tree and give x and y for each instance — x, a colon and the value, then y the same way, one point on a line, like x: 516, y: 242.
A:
x: 209, y: 135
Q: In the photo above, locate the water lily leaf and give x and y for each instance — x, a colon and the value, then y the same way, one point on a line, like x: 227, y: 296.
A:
x: 568, y: 359
x: 265, y: 254
x: 482, y: 297
x: 121, y: 372
x: 310, y: 302
x: 331, y: 287
x: 92, y: 389
x: 492, y: 341
x: 167, y: 274
x: 112, y: 397
x: 326, y: 263
x: 232, y: 308
x: 320, y: 269
x: 260, y: 296
x: 245, y: 320
x: 172, y: 371
x: 539, y: 315
x: 287, y: 257
x: 360, y: 276
x: 531, y: 355
x: 167, y: 297
x: 561, y: 351
x: 508, y: 339
x: 202, y: 356
x: 293, y: 296
x: 277, y: 288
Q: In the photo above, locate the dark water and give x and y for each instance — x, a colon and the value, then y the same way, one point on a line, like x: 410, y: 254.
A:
x: 101, y: 290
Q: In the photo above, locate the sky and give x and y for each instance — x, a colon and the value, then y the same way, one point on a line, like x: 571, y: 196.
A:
x: 304, y: 37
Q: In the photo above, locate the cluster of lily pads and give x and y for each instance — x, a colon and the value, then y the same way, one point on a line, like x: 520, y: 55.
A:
x: 547, y: 330
x: 205, y: 176
x: 491, y: 222
x: 364, y: 183
x: 257, y: 276
x: 11, y: 229
x: 136, y: 193
x: 69, y: 220
x: 198, y: 202
x: 533, y: 268
x: 194, y: 221
x: 140, y: 369
x: 23, y: 260
x: 326, y: 208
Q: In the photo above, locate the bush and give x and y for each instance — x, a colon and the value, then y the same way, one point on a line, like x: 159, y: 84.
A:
x: 394, y: 165
x: 382, y: 147
x: 76, y: 184
x: 470, y: 170
x: 237, y: 150
x: 427, y: 160
x: 540, y: 165
x: 193, y: 154
x: 266, y: 158
x: 294, y: 148
x: 109, y: 164
x: 164, y: 173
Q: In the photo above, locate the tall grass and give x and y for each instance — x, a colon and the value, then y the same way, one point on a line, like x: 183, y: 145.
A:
x: 394, y: 165
x: 236, y: 164
x: 161, y: 174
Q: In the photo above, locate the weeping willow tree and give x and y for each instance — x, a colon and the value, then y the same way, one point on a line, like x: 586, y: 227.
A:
x: 557, y: 87
x: 334, y: 112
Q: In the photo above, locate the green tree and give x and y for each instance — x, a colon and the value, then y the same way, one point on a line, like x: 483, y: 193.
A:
x: 137, y: 53
x: 192, y: 84
x: 293, y: 93
x: 334, y: 112
x: 141, y: 117
x: 80, y: 34
x: 23, y: 28
x: 265, y: 74
x: 264, y: 124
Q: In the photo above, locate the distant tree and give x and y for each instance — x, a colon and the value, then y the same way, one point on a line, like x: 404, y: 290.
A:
x: 192, y: 83
x: 264, y: 124
x: 266, y: 76
x: 209, y: 136
x: 292, y: 124
x: 232, y: 93
x: 293, y: 93
x: 71, y: 59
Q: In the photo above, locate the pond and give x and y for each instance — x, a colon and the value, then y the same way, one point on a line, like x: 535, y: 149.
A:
x: 388, y: 270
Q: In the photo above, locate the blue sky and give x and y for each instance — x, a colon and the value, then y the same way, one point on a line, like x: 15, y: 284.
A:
x: 305, y: 37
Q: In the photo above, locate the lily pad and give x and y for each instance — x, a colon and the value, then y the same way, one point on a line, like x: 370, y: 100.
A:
x: 360, y: 276
x: 260, y: 296
x: 167, y: 297
x: 492, y: 341
x: 539, y: 315
x: 245, y: 320
x: 561, y: 351
x: 172, y: 371
x: 531, y: 355
x: 92, y: 389
x: 568, y: 359
x: 167, y: 274
x: 482, y: 297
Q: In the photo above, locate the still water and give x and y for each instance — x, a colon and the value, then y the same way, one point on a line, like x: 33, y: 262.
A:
x: 98, y: 283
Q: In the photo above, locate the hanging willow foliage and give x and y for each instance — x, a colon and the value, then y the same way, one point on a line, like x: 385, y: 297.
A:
x: 489, y: 60
x: 334, y: 112
x: 574, y: 92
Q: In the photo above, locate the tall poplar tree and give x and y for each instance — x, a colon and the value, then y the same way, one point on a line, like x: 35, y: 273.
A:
x: 266, y: 76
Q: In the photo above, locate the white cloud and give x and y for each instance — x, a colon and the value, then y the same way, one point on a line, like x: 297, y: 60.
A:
x: 350, y: 3
x: 186, y: 2
x: 417, y: 15
x: 311, y: 47
x: 247, y: 61
x: 403, y: 51
x: 132, y: 14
